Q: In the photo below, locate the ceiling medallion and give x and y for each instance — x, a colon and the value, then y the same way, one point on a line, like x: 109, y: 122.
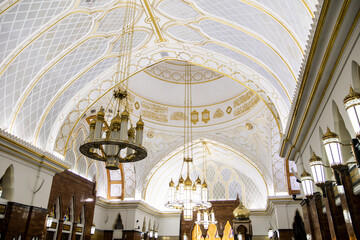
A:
x: 112, y: 141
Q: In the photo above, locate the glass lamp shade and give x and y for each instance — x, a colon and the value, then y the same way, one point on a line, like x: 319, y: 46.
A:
x: 270, y: 233
x: 49, y: 221
x: 332, y: 147
x: 188, y: 211
x: 151, y: 233
x: 92, y: 230
x: 317, y: 169
x: 171, y: 191
x: 307, y: 184
x: 156, y: 234
x: 352, y: 106
x: 206, y: 220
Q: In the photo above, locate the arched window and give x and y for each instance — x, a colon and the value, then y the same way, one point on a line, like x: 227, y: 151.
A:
x: 116, y: 183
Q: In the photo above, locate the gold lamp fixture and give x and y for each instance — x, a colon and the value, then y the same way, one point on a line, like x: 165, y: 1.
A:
x: 188, y: 195
x: 113, y: 141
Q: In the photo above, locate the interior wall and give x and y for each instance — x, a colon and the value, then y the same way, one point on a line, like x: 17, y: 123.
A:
x: 32, y: 180
x: 336, y: 92
x: 133, y: 214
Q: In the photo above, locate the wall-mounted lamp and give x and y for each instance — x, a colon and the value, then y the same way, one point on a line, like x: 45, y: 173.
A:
x: 92, y: 230
x: 352, y: 106
x: 307, y: 184
x: 156, y: 234
x: 317, y: 170
x: 49, y: 220
x: 332, y: 147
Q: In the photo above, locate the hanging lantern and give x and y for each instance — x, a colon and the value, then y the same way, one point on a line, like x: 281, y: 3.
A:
x: 307, y: 184
x: 317, y: 169
x: 352, y: 106
x: 188, y: 195
x: 332, y: 147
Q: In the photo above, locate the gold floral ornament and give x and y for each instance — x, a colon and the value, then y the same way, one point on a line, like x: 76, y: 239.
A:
x: 205, y: 116
x: 194, y: 117
x: 218, y: 113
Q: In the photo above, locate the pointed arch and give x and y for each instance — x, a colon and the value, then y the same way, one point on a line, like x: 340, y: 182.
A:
x: 355, y: 75
x: 7, y: 184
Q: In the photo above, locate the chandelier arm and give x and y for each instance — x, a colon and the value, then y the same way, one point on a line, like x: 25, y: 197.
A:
x: 102, y: 151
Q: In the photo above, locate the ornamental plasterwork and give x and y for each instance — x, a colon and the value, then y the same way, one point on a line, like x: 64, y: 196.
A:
x: 246, y: 142
x: 142, y: 61
x: 284, y: 27
x: 218, y: 113
x: 278, y: 164
x: 164, y: 72
x: 154, y: 187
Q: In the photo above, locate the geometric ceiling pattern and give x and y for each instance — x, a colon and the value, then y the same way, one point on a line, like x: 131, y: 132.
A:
x: 58, y: 60
x: 51, y: 49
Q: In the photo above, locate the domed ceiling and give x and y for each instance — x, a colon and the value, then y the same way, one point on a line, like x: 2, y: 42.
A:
x: 58, y: 60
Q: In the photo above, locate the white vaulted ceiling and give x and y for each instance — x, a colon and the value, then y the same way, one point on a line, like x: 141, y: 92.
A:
x: 58, y: 59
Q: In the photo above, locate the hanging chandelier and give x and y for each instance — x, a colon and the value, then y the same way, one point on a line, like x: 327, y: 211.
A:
x: 112, y: 141
x: 188, y: 195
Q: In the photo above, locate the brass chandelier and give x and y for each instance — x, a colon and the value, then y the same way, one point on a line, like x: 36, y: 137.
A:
x: 188, y: 195
x: 113, y: 141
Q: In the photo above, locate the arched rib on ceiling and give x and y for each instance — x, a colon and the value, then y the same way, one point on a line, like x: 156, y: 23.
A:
x: 53, y: 40
x: 275, y: 29
x: 155, y: 187
x: 208, y: 60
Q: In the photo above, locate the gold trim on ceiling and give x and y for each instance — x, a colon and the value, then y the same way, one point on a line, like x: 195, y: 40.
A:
x: 68, y: 84
x: 237, y: 117
x: 153, y: 21
x: 10, y: 5
x: 305, y: 77
x: 320, y: 72
x: 274, y: 115
x: 262, y: 9
x: 331, y: 42
x: 48, y: 68
x: 210, y: 39
x: 255, y: 61
x: 308, y: 8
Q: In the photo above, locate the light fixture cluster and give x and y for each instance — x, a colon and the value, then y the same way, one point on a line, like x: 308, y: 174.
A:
x: 188, y: 196
x: 332, y: 146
